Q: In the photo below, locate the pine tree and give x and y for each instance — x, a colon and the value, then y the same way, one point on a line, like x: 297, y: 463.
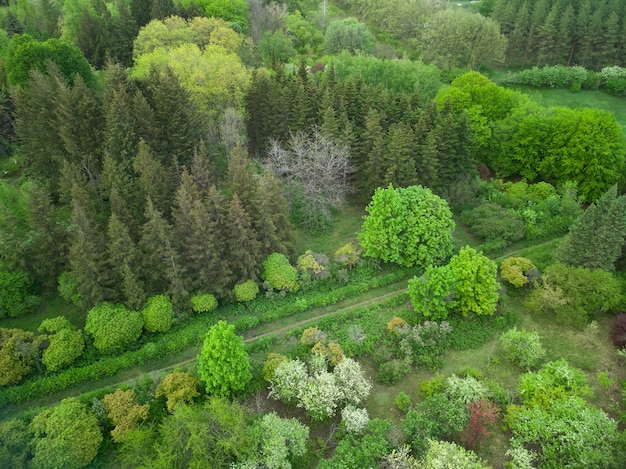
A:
x: 519, y: 35
x: 564, y: 48
x: 154, y: 180
x: 607, y: 47
x: 399, y: 158
x: 548, y: 39
x: 121, y: 133
x: 427, y: 162
x: 595, y: 240
x: 243, y: 246
x: 203, y: 169
x: 584, y: 46
x: 370, y: 174
x: 125, y: 261
x: 88, y: 254
x: 241, y: 178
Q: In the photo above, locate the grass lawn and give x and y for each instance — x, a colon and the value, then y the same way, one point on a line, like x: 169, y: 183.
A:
x: 50, y: 307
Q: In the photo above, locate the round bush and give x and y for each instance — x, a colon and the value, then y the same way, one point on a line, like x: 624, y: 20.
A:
x: 246, y: 291
x: 158, y: 314
x: 280, y: 274
x: 113, y: 326
x: 204, y: 303
x: 403, y: 402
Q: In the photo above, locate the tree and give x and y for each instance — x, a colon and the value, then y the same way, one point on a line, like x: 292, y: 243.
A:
x: 287, y: 379
x: 14, y: 444
x: 523, y: 347
x: 66, y: 435
x: 243, y: 246
x: 316, y: 168
x: 18, y: 353
x: 408, y: 226
x: 66, y: 343
x: 351, y: 381
x: 158, y: 314
x: 516, y: 270
x: 179, y: 388
x: 604, y: 222
x: 281, y: 440
x: 223, y: 363
x: 124, y: 411
x: 445, y: 454
x: 432, y: 294
x: 348, y: 34
x: 113, y: 327
x: 476, y: 287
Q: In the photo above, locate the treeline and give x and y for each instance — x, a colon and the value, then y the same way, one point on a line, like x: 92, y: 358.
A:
x: 590, y: 33
x: 395, y: 137
x: 127, y: 198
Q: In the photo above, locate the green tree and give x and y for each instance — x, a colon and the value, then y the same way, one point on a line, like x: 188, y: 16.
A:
x: 243, y: 246
x: 432, y: 294
x: 158, y: 314
x: 476, y: 287
x: 66, y: 343
x: 113, y: 326
x: 124, y: 411
x: 66, y: 435
x: 223, y: 363
x: 18, y: 353
x: 281, y: 440
x: 276, y: 47
x: 410, y: 226
x: 604, y: 222
x: 14, y: 444
x: 447, y: 454
x: 348, y: 34
x: 179, y: 388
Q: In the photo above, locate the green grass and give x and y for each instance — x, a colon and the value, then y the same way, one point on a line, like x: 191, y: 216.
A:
x: 51, y: 307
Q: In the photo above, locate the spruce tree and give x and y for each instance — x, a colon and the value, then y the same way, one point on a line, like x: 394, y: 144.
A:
x: 203, y: 169
x: 548, y: 39
x: 154, y: 180
x: 241, y: 178
x: 243, y: 246
x: 399, y: 158
x: 564, y: 48
x: 370, y: 174
x: 595, y: 240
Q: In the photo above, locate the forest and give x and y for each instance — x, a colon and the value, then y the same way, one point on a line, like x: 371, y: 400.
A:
x: 273, y: 234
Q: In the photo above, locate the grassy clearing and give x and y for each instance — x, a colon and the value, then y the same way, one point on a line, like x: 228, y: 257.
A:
x: 51, y: 307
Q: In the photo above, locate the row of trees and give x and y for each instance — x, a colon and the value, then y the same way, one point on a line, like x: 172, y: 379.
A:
x: 591, y: 33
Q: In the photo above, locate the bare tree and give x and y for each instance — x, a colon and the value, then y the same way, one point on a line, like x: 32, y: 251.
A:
x: 317, y: 170
x: 266, y: 17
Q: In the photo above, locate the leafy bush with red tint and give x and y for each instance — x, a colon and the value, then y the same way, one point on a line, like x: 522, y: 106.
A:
x: 618, y: 330
x: 483, y: 414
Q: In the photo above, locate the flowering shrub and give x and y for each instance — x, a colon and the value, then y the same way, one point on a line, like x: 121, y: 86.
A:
x: 356, y: 420
x: 523, y: 347
x: 466, y: 390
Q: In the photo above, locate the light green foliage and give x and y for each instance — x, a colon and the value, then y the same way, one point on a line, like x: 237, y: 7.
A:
x: 66, y: 343
x: 349, y: 254
x: 575, y: 294
x: 402, y: 402
x: 456, y: 37
x: 569, y: 433
x: 272, y: 362
x: 204, y: 303
x: 179, y: 388
x: 214, y: 435
x: 448, y: 455
x: 436, y: 417
x: 595, y: 240
x: 308, y: 263
x: 67, y: 289
x: 246, y: 291
x: 223, y: 363
x: 348, y: 34
x: 280, y: 274
x: 18, y: 352
x: 555, y: 76
x: 288, y: 378
x: 523, y: 347
x: 25, y: 53
x: 354, y: 419
x: 408, y: 226
x: 476, y: 288
x: 514, y: 270
x: 432, y: 294
x: 16, y: 298
x: 466, y: 390
x: 319, y: 396
x: 307, y: 39
x: 124, y: 411
x: 233, y: 11
x: 158, y: 314
x: 66, y: 436
x: 112, y: 326
x: 553, y: 380
x: 281, y: 440
x: 14, y: 443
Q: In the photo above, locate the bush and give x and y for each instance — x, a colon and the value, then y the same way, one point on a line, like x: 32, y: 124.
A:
x: 403, y: 402
x: 158, y: 314
x: 67, y: 289
x: 618, y: 330
x: 246, y: 322
x: 204, y: 303
x: 523, y: 347
x: 616, y: 86
x: 466, y: 390
x: 16, y: 297
x: 246, y: 291
x: 491, y: 222
x: 483, y: 414
x: 178, y: 387
x: 514, y: 270
x: 431, y: 386
x: 393, y: 371
x: 113, y: 326
x: 280, y: 274
x: 355, y: 420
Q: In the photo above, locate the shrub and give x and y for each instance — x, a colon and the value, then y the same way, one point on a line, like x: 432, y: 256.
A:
x: 618, y: 330
x: 349, y: 254
x: 523, y: 347
x: 280, y: 274
x: 16, y: 297
x: 178, y: 387
x: 113, y: 326
x: 554, y: 380
x: 466, y: 390
x: 246, y: 291
x: 425, y: 343
x: 124, y: 411
x: 395, y: 324
x: 66, y: 343
x: 204, y: 303
x: 514, y: 270
x: 312, y: 263
x: 355, y: 420
x: 18, y: 352
x: 312, y: 335
x: 403, y: 402
x: 67, y: 289
x: 393, y: 371
x: 273, y: 361
x: 158, y: 314
x: 483, y: 414
x: 431, y: 386
x: 491, y: 222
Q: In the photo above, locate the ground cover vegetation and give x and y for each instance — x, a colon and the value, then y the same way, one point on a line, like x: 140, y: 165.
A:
x: 161, y: 160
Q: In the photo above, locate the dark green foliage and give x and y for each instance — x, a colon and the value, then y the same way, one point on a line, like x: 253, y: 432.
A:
x: 492, y: 222
x: 65, y: 436
x: 16, y: 298
x: 14, y: 443
x: 604, y: 222
x: 223, y: 363
x: 436, y: 417
x: 402, y: 402
x: 113, y: 326
x: 391, y: 372
x: 242, y: 244
x: 348, y: 34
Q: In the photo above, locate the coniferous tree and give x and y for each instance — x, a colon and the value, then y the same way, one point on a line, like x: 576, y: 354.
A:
x: 241, y: 178
x: 203, y: 169
x: 427, y: 162
x: 243, y: 246
x: 154, y: 180
x: 399, y: 158
x: 125, y: 261
x: 371, y: 174
x: 548, y: 39
x: 595, y: 240
x: 565, y: 44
